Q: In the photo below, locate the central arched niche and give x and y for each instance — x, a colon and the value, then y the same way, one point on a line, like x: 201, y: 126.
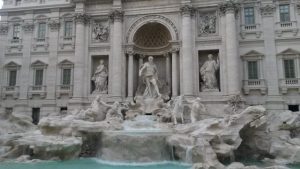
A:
x: 152, y: 36
x: 153, y: 39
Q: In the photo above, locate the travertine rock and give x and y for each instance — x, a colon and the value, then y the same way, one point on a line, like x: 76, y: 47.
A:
x: 39, y: 146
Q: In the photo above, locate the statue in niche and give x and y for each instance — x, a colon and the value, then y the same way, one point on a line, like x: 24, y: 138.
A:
x: 208, y: 74
x: 100, y: 78
x: 207, y: 24
x: 101, y: 32
x: 149, y: 75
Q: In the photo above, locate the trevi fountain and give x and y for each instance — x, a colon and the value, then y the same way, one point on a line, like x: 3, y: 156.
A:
x: 149, y: 84
x: 154, y: 131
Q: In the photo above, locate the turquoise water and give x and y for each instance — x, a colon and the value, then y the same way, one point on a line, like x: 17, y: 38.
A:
x: 295, y: 166
x: 89, y: 164
x: 97, y: 164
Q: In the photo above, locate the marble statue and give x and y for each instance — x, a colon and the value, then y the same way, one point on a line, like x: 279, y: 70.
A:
x: 207, y: 24
x: 208, y: 74
x: 197, y: 109
x: 178, y: 109
x: 100, y: 78
x: 114, y: 111
x: 101, y: 32
x: 149, y: 74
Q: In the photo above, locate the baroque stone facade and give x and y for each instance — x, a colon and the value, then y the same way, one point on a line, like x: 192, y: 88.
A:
x: 50, y: 55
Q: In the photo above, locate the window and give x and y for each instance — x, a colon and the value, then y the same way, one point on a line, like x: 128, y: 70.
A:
x: 284, y: 11
x: 38, y: 81
x: 63, y: 110
x: 42, y: 31
x: 249, y: 16
x: 12, y: 77
x: 68, y: 29
x: 18, y: 2
x: 8, y: 110
x: 16, y: 31
x: 35, y: 115
x: 289, y: 68
x: 66, y: 76
x: 293, y: 108
x: 252, y: 70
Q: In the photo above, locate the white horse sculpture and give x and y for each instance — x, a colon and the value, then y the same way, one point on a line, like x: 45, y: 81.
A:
x: 178, y: 109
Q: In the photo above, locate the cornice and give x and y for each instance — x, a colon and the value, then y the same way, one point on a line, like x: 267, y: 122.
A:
x: 32, y: 8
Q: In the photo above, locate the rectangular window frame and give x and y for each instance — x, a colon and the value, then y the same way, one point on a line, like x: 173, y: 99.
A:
x: 68, y: 29
x: 16, y: 34
x: 289, y: 67
x: 12, y: 81
x: 249, y: 18
x: 42, y: 31
x: 40, y: 81
x: 285, y: 13
x: 253, y: 71
x: 66, y: 81
x: 18, y: 2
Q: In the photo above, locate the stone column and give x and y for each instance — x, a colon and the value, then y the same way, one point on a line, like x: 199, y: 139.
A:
x: 116, y: 74
x: 230, y: 9
x: 81, y: 19
x: 168, y: 69
x: 141, y: 60
x: 130, y: 73
x: 187, y: 51
x: 174, y: 52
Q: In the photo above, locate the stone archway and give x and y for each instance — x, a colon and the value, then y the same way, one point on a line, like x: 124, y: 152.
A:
x: 150, y: 35
x: 158, y: 19
x: 153, y: 36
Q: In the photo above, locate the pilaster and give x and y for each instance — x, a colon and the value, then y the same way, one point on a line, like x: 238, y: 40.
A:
x: 25, y: 80
x: 117, y: 58
x: 54, y: 26
x: 230, y: 9
x: 81, y: 20
x: 187, y: 82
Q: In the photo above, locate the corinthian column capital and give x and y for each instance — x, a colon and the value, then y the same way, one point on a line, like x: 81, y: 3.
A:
x: 187, y: 10
x: 116, y: 15
x: 229, y: 6
x: 81, y: 18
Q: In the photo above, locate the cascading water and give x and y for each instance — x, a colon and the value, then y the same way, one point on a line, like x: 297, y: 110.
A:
x: 188, y: 154
x: 142, y: 139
